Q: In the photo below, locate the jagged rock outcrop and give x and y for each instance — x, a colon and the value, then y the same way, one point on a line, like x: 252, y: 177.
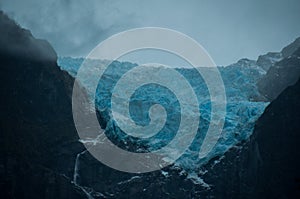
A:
x: 38, y: 141
x: 291, y: 48
x: 283, y: 70
x: 267, y: 60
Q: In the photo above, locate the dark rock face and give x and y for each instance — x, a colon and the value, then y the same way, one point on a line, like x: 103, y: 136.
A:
x: 278, y: 136
x: 266, y: 166
x: 267, y: 60
x: 281, y: 75
x: 38, y: 142
x: 291, y: 48
x: 283, y: 70
x: 18, y: 42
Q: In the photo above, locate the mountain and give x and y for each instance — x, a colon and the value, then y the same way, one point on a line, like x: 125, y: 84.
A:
x: 282, y: 71
x: 245, y: 171
x: 267, y: 165
x: 41, y: 155
x: 291, y: 48
x: 38, y: 141
x: 267, y: 60
x: 244, y: 105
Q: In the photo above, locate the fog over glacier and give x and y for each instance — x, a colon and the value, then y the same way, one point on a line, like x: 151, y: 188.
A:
x: 229, y: 30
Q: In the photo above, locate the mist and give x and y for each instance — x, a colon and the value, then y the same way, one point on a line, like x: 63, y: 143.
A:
x: 228, y: 30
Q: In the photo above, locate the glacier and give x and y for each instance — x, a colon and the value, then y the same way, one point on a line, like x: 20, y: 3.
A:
x: 244, y: 106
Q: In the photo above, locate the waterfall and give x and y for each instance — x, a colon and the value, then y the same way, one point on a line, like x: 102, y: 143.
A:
x: 76, y: 175
x: 76, y: 168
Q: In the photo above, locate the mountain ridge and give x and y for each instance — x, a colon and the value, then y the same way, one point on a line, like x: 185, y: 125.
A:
x: 39, y: 144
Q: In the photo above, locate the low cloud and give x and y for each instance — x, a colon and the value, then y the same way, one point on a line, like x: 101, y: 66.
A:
x: 228, y: 30
x: 72, y: 27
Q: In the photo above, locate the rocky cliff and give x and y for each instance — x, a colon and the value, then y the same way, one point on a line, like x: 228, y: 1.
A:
x: 39, y: 145
x: 267, y: 165
x: 283, y: 70
x: 38, y: 142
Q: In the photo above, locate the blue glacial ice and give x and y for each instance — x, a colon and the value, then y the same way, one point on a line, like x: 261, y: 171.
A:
x: 244, y: 106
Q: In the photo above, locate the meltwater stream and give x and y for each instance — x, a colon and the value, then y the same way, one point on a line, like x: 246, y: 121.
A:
x: 76, y: 175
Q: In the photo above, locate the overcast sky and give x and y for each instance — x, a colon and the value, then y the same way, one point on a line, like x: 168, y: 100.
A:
x: 228, y: 30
